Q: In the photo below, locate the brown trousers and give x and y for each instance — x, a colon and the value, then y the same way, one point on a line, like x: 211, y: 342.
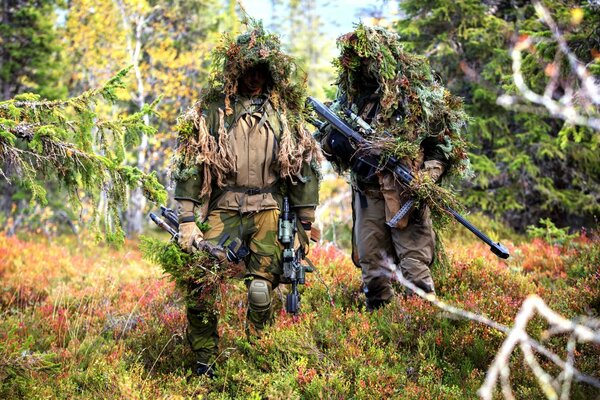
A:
x: 376, y: 246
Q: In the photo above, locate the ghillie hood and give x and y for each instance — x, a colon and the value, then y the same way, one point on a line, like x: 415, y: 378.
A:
x: 233, y: 56
x: 286, y: 93
x: 420, y: 106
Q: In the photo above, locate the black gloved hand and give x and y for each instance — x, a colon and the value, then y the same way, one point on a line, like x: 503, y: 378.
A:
x: 341, y: 148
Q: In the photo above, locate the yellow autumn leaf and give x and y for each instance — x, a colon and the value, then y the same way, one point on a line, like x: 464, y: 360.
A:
x: 551, y: 70
x: 576, y: 16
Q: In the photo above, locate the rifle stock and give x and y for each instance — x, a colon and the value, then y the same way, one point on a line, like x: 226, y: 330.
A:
x: 393, y: 165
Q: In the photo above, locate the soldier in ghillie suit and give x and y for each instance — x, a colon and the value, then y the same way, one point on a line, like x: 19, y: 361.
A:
x: 416, y: 120
x: 242, y: 148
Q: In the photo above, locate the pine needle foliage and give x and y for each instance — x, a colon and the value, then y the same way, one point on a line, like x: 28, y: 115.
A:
x: 527, y: 165
x: 198, y: 275
x: 65, y: 140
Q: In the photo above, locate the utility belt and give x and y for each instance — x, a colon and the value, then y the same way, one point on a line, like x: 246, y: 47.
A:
x: 245, y: 199
x: 251, y: 191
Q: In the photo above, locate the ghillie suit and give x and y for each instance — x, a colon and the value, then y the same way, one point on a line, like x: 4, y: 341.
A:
x: 237, y: 156
x: 416, y: 120
x: 203, y: 130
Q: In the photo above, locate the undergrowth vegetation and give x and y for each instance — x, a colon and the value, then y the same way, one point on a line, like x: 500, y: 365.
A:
x: 86, y: 321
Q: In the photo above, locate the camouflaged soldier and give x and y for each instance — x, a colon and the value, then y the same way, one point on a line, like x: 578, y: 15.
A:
x: 242, y: 148
x: 417, y: 121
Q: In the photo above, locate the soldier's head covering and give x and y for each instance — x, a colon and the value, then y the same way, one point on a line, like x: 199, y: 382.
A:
x: 374, y: 55
x: 413, y: 104
x: 257, y: 47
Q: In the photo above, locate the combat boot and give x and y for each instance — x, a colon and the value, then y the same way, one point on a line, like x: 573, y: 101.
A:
x: 375, y: 304
x: 203, y: 369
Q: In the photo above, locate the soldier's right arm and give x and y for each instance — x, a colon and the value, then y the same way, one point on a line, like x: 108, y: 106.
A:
x: 188, y: 177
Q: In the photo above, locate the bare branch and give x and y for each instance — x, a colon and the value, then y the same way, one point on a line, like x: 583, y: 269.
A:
x: 517, y: 336
x: 577, y: 105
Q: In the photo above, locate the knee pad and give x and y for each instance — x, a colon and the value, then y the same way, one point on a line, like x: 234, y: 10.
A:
x: 259, y: 295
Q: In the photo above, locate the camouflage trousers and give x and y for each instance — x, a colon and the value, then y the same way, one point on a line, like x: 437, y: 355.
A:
x: 376, y: 246
x: 258, y: 230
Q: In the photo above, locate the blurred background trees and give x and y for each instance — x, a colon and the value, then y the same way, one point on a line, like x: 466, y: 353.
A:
x: 530, y: 164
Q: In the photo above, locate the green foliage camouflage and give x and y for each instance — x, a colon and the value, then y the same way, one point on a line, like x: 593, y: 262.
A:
x: 256, y: 46
x: 198, y: 275
x: 527, y: 166
x: 201, y: 150
x: 64, y: 141
x: 408, y: 89
x: 415, y: 111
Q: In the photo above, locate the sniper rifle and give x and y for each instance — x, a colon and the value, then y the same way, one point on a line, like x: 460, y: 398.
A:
x: 393, y: 165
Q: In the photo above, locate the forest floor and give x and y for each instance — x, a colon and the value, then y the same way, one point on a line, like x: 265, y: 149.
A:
x: 82, y: 320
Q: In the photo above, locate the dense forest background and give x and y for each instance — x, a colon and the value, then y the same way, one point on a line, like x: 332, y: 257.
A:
x: 90, y: 92
x: 529, y: 163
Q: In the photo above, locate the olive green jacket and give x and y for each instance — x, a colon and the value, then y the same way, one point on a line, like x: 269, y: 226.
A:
x: 253, y: 183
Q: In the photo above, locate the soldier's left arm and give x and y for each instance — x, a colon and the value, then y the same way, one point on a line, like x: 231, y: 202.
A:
x: 304, y: 195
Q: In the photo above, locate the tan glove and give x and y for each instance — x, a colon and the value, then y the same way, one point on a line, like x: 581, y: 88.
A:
x: 434, y: 169
x: 189, y: 236
x: 189, y: 233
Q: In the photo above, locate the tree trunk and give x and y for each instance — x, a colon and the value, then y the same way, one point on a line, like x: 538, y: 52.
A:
x: 134, y: 217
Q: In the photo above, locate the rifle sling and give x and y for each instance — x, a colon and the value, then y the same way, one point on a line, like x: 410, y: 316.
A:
x: 189, y: 218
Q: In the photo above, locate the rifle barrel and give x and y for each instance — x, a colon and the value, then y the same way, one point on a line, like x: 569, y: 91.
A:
x: 159, y: 221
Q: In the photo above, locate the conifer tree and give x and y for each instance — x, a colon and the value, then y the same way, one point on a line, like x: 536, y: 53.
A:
x: 64, y: 141
x: 528, y: 165
x: 30, y: 61
x: 29, y: 49
x: 167, y: 41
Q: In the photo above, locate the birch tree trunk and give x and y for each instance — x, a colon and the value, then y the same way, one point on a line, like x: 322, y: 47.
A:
x: 134, y: 216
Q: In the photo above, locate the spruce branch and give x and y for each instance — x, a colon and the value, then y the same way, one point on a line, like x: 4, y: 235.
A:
x: 67, y: 141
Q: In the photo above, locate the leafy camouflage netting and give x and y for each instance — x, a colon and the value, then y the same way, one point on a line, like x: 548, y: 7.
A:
x: 408, y: 90
x: 413, y: 107
x: 287, y: 93
x: 199, y: 276
x: 233, y: 56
